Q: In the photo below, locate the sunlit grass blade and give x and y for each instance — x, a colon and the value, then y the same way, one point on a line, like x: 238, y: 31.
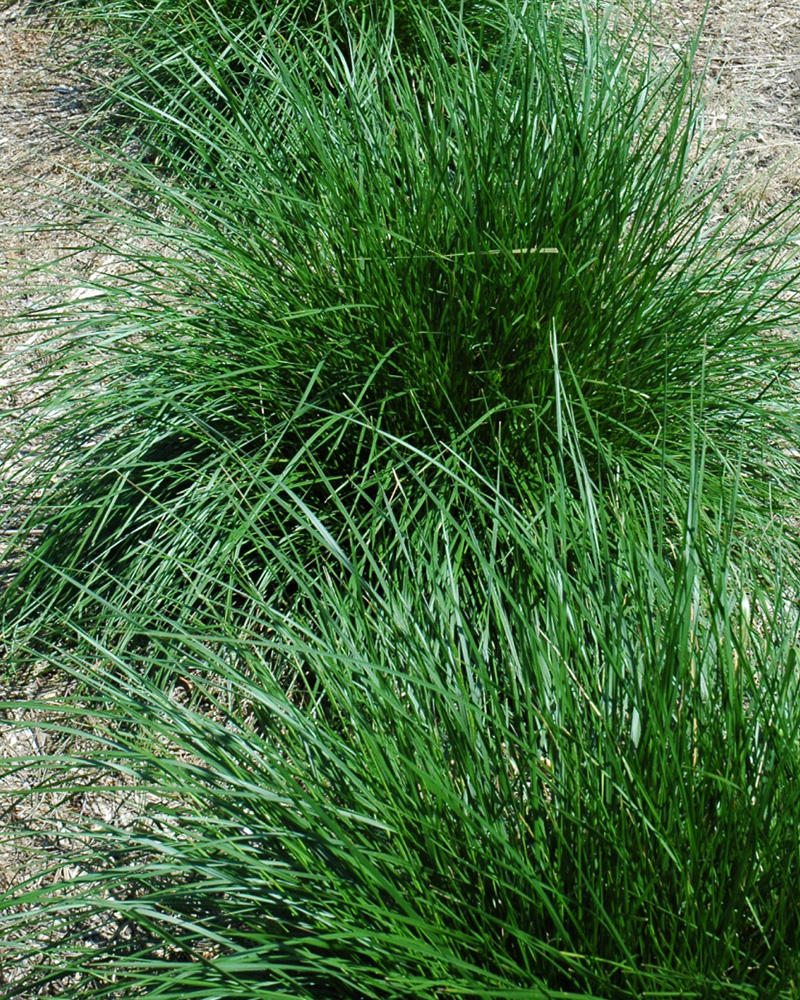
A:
x: 418, y: 240
x: 523, y: 756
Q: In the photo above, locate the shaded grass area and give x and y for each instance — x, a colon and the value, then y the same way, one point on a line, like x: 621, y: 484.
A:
x: 438, y: 435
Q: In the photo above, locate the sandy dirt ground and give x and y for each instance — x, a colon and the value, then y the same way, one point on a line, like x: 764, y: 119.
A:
x: 752, y: 49
x: 42, y: 105
x: 43, y: 165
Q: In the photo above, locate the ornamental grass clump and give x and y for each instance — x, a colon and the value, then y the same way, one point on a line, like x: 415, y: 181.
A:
x: 159, y: 55
x: 408, y: 515
x: 430, y: 243
x: 504, y: 755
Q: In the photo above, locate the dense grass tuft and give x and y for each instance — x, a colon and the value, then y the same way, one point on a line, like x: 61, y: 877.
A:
x: 408, y: 509
x: 160, y: 54
x: 432, y: 243
x: 517, y: 759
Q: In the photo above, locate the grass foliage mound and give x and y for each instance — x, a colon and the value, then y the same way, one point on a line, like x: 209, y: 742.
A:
x: 435, y: 245
x: 512, y: 759
x: 428, y: 436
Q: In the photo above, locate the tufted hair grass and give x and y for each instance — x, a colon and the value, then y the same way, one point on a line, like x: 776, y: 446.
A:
x: 408, y: 507
x: 432, y: 242
x: 488, y: 754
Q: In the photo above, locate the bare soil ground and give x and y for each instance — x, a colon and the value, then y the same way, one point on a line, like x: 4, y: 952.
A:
x: 43, y: 165
x: 752, y: 48
x: 43, y: 168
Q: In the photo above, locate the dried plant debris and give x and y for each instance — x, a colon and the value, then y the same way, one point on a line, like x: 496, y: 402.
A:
x: 752, y: 49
